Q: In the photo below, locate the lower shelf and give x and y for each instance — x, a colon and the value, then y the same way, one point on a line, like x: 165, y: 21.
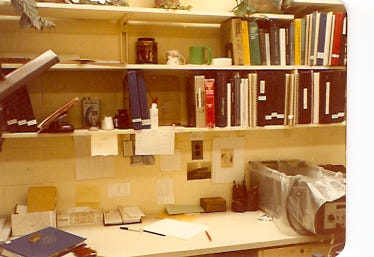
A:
x: 86, y: 132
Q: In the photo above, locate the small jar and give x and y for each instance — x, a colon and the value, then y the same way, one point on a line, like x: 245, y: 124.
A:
x: 146, y: 51
x: 122, y: 119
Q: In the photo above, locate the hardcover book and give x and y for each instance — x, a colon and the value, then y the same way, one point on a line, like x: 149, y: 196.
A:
x: 134, y: 100
x: 199, y: 89
x: 274, y: 43
x: 143, y: 102
x: 46, y: 242
x: 232, y: 40
x: 209, y: 103
x: 337, y: 38
x: 254, y: 43
x: 220, y: 99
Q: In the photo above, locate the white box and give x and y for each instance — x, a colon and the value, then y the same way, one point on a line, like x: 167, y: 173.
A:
x: 25, y: 223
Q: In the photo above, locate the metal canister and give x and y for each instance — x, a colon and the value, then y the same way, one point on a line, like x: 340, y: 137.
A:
x: 146, y: 51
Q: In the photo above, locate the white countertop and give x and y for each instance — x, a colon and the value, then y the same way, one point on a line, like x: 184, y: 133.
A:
x: 229, y: 232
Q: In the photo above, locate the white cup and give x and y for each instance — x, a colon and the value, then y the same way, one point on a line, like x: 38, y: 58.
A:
x: 174, y: 58
x: 107, y: 123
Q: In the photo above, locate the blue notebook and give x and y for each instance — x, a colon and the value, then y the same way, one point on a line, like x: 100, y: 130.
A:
x: 46, y: 242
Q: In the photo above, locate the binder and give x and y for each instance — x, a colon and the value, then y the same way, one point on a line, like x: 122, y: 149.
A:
x: 271, y: 98
x: 332, y: 98
x: 236, y: 100
x: 337, y: 38
x: 220, y: 99
x: 304, y: 86
x: 143, y: 102
x: 134, y: 100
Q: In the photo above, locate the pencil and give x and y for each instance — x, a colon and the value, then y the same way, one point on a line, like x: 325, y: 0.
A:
x: 207, y: 234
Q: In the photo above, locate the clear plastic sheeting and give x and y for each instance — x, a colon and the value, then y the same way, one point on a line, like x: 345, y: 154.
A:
x: 293, y: 192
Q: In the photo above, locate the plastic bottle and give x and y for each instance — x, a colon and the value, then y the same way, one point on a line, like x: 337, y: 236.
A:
x: 154, y: 115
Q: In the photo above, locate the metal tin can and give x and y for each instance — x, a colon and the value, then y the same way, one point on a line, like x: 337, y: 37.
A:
x: 146, y: 51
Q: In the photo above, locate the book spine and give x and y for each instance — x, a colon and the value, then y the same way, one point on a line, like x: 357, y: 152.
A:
x: 316, y: 102
x: 228, y: 102
x: 304, y: 88
x: 292, y: 43
x: 244, y: 102
x: 237, y: 112
x: 220, y: 99
x: 143, y: 102
x: 274, y: 43
x: 134, y: 100
x: 200, y: 101
x: 245, y: 43
x: 254, y: 43
x: 282, y: 46
x: 328, y: 32
x: 321, y: 38
x: 261, y: 38
x: 343, y: 44
x: 297, y: 40
x: 209, y: 103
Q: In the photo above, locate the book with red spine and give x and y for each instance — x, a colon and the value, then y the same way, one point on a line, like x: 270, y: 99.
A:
x: 337, y: 38
x: 209, y: 103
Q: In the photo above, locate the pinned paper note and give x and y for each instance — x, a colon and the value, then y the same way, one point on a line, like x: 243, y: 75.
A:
x: 155, y: 141
x: 91, y: 167
x: 165, y: 191
x: 104, y: 143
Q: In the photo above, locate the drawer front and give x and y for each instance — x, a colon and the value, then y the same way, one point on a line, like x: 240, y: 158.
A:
x: 303, y: 250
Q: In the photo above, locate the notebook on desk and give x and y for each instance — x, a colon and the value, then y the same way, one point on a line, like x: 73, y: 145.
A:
x: 44, y: 243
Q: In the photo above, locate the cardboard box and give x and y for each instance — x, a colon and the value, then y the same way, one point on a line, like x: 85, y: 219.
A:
x: 213, y: 204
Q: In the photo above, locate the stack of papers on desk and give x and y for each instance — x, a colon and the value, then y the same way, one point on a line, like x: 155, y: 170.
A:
x: 123, y: 215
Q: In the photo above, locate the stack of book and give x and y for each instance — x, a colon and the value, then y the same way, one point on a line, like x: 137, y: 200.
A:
x: 262, y: 98
x: 123, y: 215
x: 318, y: 38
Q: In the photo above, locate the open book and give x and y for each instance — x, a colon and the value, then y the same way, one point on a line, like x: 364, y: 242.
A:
x: 123, y: 215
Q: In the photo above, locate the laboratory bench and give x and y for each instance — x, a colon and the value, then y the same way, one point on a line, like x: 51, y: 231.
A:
x: 232, y: 234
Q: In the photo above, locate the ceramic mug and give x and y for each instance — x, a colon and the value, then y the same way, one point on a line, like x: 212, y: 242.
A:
x: 200, y: 55
x: 174, y: 58
x: 107, y: 123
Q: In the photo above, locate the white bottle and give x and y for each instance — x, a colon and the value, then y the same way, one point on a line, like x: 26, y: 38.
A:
x: 153, y: 113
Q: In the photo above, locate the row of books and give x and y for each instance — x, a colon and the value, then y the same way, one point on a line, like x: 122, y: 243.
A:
x: 318, y: 38
x: 263, y: 98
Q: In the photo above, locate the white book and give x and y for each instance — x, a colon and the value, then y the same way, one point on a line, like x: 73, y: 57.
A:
x: 267, y: 48
x: 282, y: 46
x: 315, y: 109
x: 327, y: 46
x: 244, y: 102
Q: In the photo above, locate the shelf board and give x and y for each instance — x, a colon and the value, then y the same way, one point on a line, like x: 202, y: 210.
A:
x: 86, y: 132
x: 165, y: 67
x: 118, y: 13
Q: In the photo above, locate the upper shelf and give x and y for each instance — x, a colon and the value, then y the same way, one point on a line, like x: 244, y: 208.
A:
x: 302, y: 7
x: 99, y: 12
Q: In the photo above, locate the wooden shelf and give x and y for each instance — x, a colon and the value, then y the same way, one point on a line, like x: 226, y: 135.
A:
x: 302, y: 7
x: 159, y: 67
x: 98, y: 12
x: 86, y: 132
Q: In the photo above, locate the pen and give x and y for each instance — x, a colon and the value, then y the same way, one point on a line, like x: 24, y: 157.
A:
x: 141, y: 230
x: 207, y: 234
x: 132, y: 229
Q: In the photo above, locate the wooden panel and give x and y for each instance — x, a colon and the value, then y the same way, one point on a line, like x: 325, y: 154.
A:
x: 303, y: 250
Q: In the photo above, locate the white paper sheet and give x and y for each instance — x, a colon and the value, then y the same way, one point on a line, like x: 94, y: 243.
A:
x: 176, y: 228
x: 165, y: 191
x: 91, y: 167
x: 155, y: 141
x: 227, y: 160
x: 104, y: 143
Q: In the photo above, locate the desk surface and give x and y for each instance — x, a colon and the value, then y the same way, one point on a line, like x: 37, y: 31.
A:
x: 229, y: 232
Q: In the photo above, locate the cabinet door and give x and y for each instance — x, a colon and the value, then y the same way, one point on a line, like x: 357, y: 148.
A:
x: 303, y: 250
